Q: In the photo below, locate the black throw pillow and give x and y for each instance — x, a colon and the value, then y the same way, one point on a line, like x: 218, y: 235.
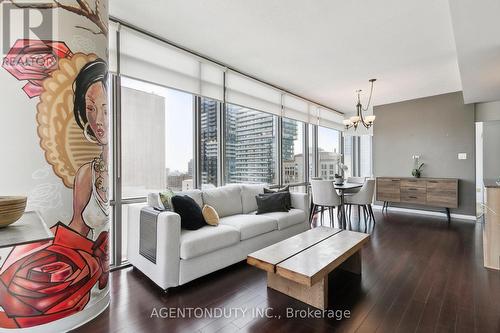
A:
x: 286, y: 190
x: 271, y: 202
x: 190, y: 212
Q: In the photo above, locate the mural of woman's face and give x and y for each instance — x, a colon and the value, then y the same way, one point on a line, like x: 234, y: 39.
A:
x: 96, y: 104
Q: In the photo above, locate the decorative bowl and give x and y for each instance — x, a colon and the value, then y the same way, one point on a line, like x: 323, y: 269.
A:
x: 11, y: 209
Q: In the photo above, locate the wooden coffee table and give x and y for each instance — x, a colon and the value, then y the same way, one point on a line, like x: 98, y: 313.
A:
x: 299, y: 266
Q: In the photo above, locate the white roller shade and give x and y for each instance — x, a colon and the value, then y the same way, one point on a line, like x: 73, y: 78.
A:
x: 146, y: 58
x: 326, y: 118
x: 112, y: 47
x: 244, y: 91
x: 295, y: 108
x: 211, y: 81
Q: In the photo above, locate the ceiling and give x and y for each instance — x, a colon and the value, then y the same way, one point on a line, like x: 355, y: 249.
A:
x: 477, y: 32
x: 323, y: 50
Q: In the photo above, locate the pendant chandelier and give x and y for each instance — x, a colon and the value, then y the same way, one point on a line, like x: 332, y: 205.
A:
x: 358, y: 119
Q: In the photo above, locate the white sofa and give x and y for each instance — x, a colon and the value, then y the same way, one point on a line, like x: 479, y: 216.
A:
x: 185, y: 255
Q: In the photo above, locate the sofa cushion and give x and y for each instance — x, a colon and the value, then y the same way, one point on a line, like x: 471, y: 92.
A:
x: 195, y: 243
x: 225, y: 200
x: 287, y: 219
x: 196, y: 195
x: 250, y: 225
x: 248, y: 194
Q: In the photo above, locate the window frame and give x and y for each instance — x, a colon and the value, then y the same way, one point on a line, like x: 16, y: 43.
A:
x: 302, y: 127
x: 310, y: 151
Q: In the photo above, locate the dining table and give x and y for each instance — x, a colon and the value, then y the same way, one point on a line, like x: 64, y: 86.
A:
x: 342, y: 188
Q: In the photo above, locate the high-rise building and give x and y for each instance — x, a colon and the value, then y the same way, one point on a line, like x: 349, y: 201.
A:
x: 142, y: 123
x: 251, y: 145
x: 254, y: 146
x: 208, y: 110
x: 292, y: 171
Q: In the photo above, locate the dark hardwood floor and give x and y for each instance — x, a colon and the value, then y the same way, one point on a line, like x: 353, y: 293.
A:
x: 419, y: 275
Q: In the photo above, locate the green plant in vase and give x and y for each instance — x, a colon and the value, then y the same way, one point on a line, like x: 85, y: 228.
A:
x: 417, y: 171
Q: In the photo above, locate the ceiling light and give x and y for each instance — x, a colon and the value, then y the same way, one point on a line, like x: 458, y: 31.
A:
x: 354, y: 121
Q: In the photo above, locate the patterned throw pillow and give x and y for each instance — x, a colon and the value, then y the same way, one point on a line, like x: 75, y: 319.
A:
x: 166, y: 199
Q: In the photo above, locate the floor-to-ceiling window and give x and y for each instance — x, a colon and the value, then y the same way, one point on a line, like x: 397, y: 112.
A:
x: 349, y: 155
x: 292, y: 151
x: 358, y: 155
x: 311, y: 142
x: 171, y: 129
x: 157, y: 138
x: 209, y: 110
x: 365, y: 156
x: 250, y: 146
x: 156, y: 143
x: 329, y: 152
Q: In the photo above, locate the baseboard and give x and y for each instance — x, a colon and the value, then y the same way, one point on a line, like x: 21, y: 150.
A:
x: 429, y: 213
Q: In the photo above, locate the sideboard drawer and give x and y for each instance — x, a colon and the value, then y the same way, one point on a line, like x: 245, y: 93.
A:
x: 418, y: 183
x: 416, y: 197
x: 413, y: 191
x: 442, y: 184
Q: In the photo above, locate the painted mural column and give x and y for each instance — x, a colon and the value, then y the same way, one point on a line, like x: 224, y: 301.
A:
x: 54, y: 132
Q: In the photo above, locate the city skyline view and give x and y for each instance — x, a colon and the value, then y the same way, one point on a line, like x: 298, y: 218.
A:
x: 250, y: 142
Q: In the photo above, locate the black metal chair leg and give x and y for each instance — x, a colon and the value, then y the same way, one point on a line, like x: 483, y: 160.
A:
x: 322, y: 214
x: 373, y: 215
x: 330, y: 213
x: 311, y: 214
x: 349, y: 220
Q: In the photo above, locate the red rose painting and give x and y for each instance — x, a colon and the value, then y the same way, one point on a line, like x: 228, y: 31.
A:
x: 43, y: 282
x: 34, y: 60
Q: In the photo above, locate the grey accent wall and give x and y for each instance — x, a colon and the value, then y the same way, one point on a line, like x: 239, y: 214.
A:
x: 489, y: 111
x: 437, y: 128
x: 491, y: 149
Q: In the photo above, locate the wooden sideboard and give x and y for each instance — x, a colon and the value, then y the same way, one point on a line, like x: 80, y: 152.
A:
x: 491, y: 228
x: 435, y: 192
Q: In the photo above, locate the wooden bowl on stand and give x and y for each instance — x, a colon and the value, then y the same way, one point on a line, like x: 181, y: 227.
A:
x: 11, y: 209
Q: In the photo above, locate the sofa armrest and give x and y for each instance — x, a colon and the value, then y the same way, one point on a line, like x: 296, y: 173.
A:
x: 300, y: 201
x: 165, y: 272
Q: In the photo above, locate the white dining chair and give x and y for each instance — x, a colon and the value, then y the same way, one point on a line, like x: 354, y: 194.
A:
x: 354, y: 180
x: 362, y: 199
x: 324, y: 196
